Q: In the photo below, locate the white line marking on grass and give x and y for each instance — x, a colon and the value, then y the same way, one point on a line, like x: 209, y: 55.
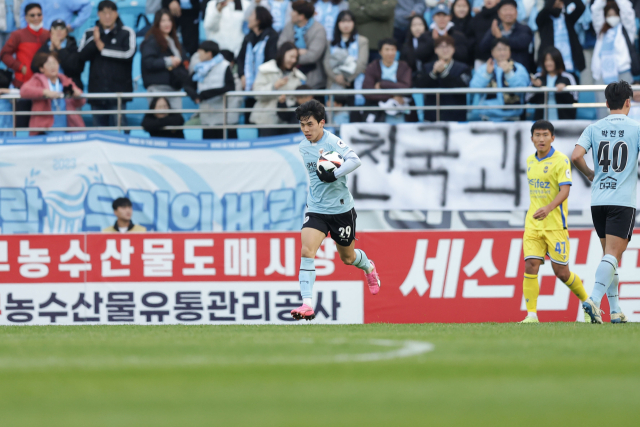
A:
x: 401, y: 349
x: 408, y: 349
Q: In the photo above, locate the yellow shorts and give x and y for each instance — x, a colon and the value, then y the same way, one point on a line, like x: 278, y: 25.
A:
x: 538, y: 243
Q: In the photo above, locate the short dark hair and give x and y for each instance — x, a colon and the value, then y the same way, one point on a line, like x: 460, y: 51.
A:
x: 107, y: 4
x: 303, y: 7
x: 121, y: 202
x: 311, y: 108
x: 282, y: 50
x: 500, y: 40
x: 304, y: 87
x: 264, y: 17
x: 40, y: 58
x: 506, y: 2
x: 543, y: 125
x: 387, y: 40
x: 227, y: 55
x: 210, y: 46
x: 444, y: 39
x: 30, y: 6
x: 617, y: 94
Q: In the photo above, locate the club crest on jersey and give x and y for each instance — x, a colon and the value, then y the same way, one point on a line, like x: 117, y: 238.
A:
x: 546, y: 169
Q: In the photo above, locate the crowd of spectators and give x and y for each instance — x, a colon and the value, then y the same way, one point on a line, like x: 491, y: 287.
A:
x: 277, y: 45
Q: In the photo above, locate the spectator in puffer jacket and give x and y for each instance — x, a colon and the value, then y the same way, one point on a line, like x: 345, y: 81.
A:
x: 66, y: 50
x: 213, y: 78
x: 223, y: 22
x: 310, y: 39
x: 162, y: 58
x: 155, y: 123
x: 109, y: 47
x: 278, y: 74
x: 24, y: 44
x: 500, y: 71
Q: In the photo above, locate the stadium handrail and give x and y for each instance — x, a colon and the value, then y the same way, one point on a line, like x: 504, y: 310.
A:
x: 119, y: 96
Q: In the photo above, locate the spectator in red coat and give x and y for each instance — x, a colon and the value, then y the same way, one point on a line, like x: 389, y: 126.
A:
x: 24, y: 43
x: 60, y: 93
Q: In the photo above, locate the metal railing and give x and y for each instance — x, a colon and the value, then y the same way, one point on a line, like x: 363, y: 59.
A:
x: 122, y: 98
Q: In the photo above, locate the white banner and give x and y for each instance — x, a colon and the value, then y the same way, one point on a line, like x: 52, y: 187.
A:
x: 67, y: 184
x: 452, y: 166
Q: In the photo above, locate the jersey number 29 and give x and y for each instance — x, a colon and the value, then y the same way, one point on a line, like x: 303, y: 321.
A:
x: 620, y: 154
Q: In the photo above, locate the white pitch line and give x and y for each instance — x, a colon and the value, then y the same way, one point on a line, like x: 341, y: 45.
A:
x: 406, y: 349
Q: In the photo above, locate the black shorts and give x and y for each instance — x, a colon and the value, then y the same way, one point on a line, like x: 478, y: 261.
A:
x: 341, y: 226
x: 614, y: 220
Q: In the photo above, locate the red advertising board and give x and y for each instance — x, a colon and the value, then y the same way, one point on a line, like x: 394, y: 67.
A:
x: 460, y: 276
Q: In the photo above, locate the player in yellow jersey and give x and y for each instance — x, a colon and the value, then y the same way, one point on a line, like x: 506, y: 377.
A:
x: 545, y: 230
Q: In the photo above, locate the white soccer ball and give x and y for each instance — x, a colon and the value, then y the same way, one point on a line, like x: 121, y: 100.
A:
x: 329, y: 161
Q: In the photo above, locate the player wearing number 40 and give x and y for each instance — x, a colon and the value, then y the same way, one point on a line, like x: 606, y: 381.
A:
x: 329, y: 206
x: 545, y: 231
x: 614, y: 143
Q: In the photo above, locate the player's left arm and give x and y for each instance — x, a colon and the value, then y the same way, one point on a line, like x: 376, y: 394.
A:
x: 577, y: 158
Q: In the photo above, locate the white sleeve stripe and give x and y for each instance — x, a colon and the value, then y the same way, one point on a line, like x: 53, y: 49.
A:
x: 111, y: 53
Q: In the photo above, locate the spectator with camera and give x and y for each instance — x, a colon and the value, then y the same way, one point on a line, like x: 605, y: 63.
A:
x: 109, y: 48
x: 310, y: 38
x: 52, y: 91
x: 66, y: 49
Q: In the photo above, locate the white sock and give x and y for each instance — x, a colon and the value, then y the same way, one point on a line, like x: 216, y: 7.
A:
x: 307, y: 301
x: 532, y: 314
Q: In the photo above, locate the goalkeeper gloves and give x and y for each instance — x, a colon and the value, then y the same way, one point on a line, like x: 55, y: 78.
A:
x: 325, y: 176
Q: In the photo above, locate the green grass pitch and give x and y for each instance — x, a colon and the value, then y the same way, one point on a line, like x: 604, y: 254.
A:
x: 554, y: 374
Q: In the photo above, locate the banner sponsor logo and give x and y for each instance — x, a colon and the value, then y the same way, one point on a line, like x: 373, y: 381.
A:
x: 472, y: 276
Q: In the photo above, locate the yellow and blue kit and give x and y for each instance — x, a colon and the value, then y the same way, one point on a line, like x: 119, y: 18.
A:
x: 548, y: 236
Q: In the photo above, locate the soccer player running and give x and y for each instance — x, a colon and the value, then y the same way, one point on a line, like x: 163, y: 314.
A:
x: 614, y: 142
x: 545, y: 230
x: 329, y: 206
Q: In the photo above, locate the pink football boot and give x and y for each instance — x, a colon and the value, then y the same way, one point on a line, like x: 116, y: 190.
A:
x: 303, y: 312
x: 373, y: 280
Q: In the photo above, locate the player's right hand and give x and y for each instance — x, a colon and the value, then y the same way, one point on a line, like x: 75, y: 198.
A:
x: 325, y: 176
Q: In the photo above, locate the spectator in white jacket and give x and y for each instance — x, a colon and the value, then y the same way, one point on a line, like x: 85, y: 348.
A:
x: 223, y: 23
x: 613, y: 56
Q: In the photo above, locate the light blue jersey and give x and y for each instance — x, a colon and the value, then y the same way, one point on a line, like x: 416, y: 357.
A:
x: 614, y: 142
x: 325, y: 198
